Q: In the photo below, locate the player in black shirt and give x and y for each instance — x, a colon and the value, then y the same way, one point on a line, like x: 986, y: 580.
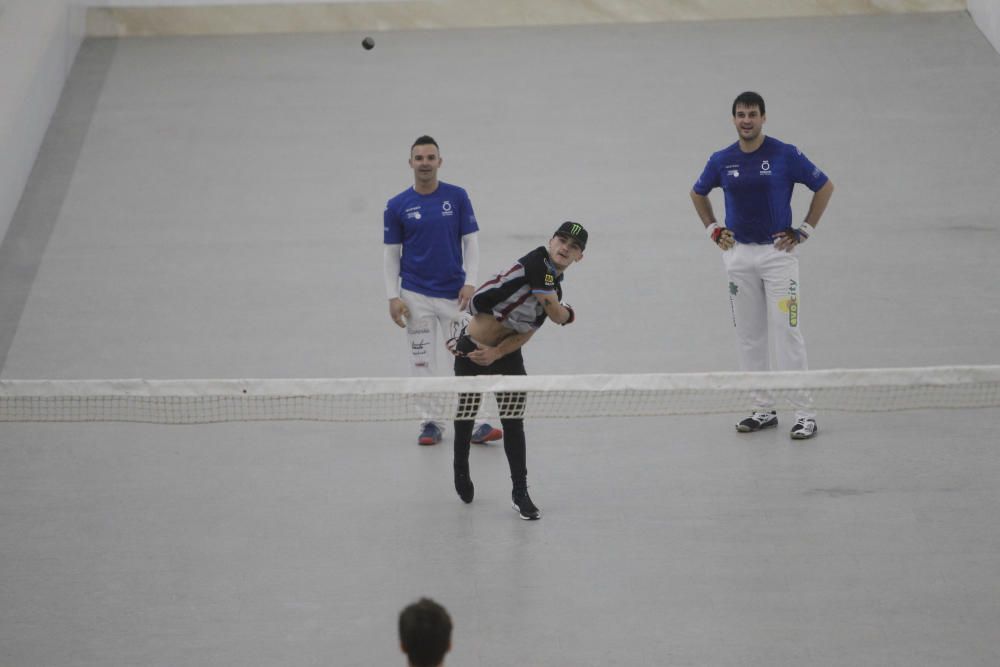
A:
x: 506, y: 311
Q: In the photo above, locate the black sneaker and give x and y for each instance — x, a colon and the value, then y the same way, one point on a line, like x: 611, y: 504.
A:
x: 521, y: 502
x: 804, y: 429
x: 757, y: 421
x: 463, y: 484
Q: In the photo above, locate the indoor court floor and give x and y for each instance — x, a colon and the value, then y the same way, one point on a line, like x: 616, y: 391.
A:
x: 210, y: 208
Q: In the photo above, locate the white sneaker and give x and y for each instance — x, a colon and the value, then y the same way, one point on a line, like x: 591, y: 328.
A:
x: 804, y: 429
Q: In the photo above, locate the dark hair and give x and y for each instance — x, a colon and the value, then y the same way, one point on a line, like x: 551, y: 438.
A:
x: 425, y: 632
x: 749, y: 99
x: 423, y: 140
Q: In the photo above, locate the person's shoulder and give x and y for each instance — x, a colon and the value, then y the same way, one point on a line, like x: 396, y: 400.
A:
x: 779, y: 146
x: 541, y: 253
x: 402, y: 196
x: 534, y: 258
x: 724, y: 153
x: 451, y: 189
x: 791, y: 152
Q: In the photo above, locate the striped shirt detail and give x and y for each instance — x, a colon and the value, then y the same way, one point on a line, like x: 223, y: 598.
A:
x: 510, y: 295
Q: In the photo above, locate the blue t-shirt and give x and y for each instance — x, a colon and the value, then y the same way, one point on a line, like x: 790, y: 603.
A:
x: 431, y: 228
x: 758, y: 186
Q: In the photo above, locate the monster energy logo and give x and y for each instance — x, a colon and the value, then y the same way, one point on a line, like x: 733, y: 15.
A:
x: 575, y: 229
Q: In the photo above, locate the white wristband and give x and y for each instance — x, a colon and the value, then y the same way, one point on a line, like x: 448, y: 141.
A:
x: 711, y: 229
x: 806, y: 230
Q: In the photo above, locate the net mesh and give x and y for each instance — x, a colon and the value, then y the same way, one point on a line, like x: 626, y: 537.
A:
x: 543, y: 396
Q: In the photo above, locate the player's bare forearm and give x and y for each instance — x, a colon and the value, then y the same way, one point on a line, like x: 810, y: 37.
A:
x: 703, y: 207
x: 719, y: 235
x: 557, y: 312
x: 486, y: 354
x: 788, y: 239
x: 818, y: 204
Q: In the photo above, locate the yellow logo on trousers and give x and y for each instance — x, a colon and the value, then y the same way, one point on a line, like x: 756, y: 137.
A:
x: 790, y: 306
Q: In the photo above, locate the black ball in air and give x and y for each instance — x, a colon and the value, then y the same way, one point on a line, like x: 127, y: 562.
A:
x: 368, y: 43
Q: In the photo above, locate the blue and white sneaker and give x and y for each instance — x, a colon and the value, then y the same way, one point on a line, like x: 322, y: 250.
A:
x: 430, y: 434
x: 485, y: 433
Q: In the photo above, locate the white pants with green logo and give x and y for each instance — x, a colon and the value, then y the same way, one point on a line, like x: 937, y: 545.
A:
x: 766, y: 299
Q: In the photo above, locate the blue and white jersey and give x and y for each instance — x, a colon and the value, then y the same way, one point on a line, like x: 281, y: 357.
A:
x: 511, y: 295
x: 758, y: 187
x: 430, y: 228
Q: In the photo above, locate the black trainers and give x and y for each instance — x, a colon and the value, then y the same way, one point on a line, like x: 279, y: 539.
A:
x: 464, y: 486
x: 804, y: 429
x: 521, y: 503
x: 757, y: 421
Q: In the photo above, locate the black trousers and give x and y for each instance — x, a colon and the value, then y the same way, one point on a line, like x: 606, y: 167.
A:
x: 511, y: 407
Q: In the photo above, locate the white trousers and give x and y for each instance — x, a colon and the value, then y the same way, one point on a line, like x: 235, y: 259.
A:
x: 766, y: 299
x: 427, y: 328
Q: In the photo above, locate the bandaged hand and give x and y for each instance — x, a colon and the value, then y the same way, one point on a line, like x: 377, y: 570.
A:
x: 721, y: 236
x: 788, y: 238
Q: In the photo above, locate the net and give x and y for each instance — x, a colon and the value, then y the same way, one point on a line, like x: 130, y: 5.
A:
x: 542, y: 396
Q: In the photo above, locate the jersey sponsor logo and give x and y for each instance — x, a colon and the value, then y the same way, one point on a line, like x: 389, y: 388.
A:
x: 550, y: 280
x: 735, y: 173
x: 413, y: 215
x: 446, y: 208
x: 765, y: 168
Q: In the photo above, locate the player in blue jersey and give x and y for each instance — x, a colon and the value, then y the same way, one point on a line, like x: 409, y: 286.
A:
x: 760, y: 250
x: 431, y: 260
x: 506, y: 311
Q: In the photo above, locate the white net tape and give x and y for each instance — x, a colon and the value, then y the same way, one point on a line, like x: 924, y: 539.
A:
x: 540, y: 396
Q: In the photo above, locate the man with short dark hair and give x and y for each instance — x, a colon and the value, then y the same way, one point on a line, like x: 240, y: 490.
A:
x: 425, y: 633
x: 760, y: 250
x: 506, y: 311
x: 431, y: 259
